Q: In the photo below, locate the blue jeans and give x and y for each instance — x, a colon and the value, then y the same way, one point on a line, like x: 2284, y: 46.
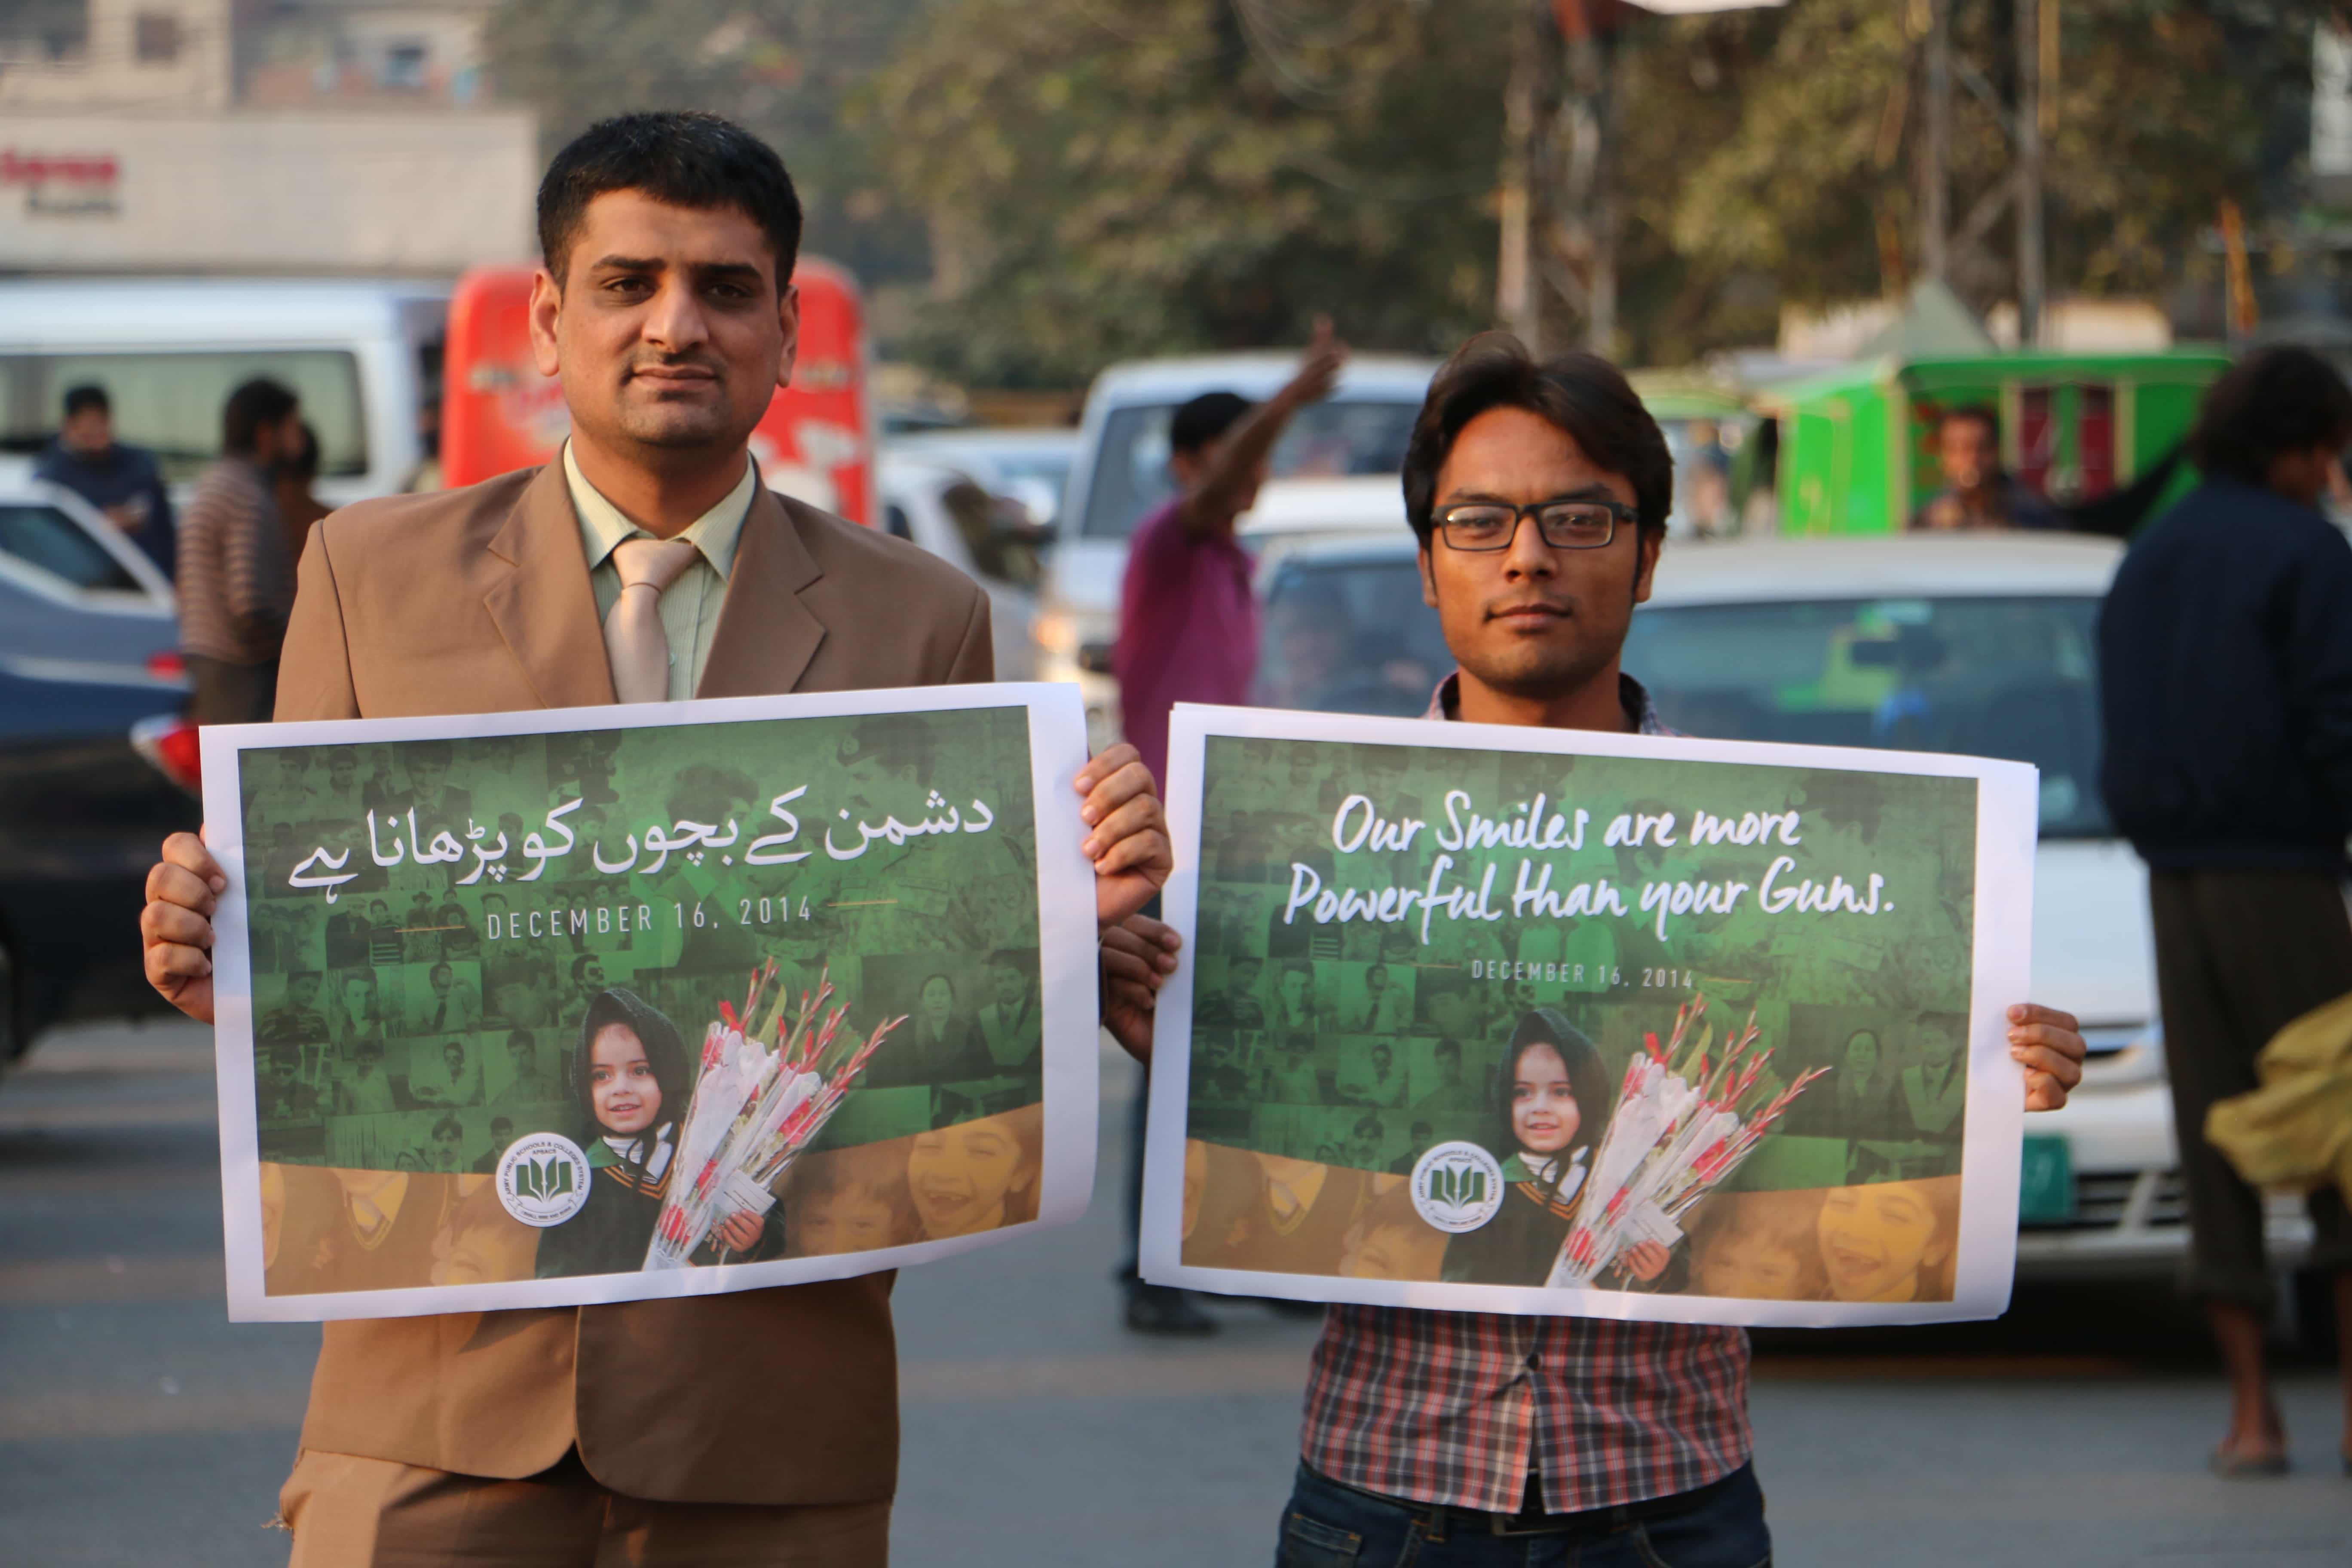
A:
x: 1720, y: 1525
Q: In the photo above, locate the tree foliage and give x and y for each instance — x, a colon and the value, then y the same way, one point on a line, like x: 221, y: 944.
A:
x: 780, y: 67
x: 1114, y: 178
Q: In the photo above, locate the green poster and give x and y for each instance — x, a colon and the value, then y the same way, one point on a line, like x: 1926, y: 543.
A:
x: 578, y: 1002
x: 1485, y: 1017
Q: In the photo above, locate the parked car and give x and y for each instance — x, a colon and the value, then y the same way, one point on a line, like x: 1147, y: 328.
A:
x: 1121, y: 472
x: 361, y: 355
x: 75, y: 594
x: 84, y: 799
x: 984, y: 535
x: 1031, y: 466
x: 1989, y: 642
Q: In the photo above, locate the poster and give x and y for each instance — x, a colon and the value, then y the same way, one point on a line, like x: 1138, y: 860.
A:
x: 1518, y: 1020
x: 593, y: 1005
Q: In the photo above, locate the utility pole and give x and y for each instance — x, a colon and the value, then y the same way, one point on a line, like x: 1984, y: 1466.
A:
x: 1586, y: 224
x: 1515, y: 299
x: 1936, y: 203
x: 2030, y: 282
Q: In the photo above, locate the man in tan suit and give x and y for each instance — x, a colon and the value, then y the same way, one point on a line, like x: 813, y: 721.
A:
x: 755, y: 1428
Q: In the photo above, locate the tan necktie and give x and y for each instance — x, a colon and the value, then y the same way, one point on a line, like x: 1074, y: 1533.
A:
x: 633, y: 638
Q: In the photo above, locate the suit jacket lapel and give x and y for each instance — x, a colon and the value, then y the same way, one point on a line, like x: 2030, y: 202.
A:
x: 766, y: 635
x: 542, y: 604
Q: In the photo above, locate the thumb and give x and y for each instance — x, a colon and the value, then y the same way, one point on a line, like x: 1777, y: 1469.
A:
x: 1324, y: 335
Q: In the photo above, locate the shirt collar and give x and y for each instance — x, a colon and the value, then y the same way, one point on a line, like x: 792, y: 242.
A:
x: 603, y: 525
x: 1447, y: 704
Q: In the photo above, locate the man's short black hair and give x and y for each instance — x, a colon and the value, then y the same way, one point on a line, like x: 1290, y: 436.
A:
x: 2272, y: 403
x: 1967, y: 412
x: 1205, y: 418
x: 253, y: 405
x: 682, y: 157
x: 1582, y: 393
x: 88, y: 396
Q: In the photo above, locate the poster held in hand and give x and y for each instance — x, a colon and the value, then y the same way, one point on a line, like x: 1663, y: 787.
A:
x: 1479, y: 1019
x: 598, y: 1005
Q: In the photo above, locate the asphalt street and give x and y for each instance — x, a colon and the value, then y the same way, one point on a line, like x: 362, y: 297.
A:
x: 139, y: 1426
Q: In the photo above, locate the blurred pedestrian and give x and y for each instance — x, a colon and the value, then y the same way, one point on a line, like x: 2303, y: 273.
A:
x: 754, y: 1426
x: 297, y: 509
x: 1978, y: 493
x: 122, y: 482
x: 1540, y: 494
x: 1188, y: 633
x: 237, y: 580
x: 1186, y: 622
x: 2225, y: 655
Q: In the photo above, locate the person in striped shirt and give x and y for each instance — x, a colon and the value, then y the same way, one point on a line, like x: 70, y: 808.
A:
x: 1539, y: 491
x: 236, y: 583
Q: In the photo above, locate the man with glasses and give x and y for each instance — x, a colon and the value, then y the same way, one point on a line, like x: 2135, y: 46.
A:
x: 1540, y: 494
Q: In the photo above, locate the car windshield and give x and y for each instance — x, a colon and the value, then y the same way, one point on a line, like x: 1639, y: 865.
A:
x: 1350, y: 636
x: 170, y: 402
x: 44, y: 538
x: 2011, y: 677
x: 1344, y: 436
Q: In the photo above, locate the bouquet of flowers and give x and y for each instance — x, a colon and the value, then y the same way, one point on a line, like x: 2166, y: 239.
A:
x: 1683, y: 1123
x: 755, y: 1106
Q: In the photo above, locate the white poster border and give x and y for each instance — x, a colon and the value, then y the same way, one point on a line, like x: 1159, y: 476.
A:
x: 2008, y: 804
x: 1068, y: 992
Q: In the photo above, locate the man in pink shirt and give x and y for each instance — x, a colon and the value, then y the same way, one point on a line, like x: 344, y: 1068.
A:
x: 1188, y: 633
x: 1187, y: 624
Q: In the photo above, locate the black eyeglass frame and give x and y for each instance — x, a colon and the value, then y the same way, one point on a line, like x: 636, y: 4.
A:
x: 1619, y: 513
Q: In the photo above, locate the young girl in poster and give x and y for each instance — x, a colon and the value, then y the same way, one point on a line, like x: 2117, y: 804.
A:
x: 1554, y: 1102
x: 630, y: 1076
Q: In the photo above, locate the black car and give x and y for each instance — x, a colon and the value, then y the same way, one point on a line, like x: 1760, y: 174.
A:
x: 83, y: 807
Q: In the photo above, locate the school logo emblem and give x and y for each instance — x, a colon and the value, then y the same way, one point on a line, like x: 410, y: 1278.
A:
x: 1457, y: 1187
x: 542, y: 1179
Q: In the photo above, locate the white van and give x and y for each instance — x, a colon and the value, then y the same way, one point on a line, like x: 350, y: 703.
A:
x: 364, y: 356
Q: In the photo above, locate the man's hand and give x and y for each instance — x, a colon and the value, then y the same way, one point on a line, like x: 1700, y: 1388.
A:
x: 1139, y: 955
x: 2050, y: 1046
x: 1129, y: 838
x: 176, y: 926
x: 739, y: 1232
x: 1644, y: 1260
x: 1318, y: 373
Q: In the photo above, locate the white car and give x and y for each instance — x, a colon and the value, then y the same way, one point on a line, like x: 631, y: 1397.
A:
x: 949, y: 513
x: 77, y: 600
x: 1991, y: 641
x: 1121, y: 473
x: 1031, y: 466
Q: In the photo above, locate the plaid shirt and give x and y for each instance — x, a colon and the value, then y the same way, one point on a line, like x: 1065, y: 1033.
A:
x: 1459, y: 1407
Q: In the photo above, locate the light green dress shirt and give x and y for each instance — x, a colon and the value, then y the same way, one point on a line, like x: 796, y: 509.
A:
x: 691, y: 605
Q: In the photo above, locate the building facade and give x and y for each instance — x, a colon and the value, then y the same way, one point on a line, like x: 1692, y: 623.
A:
x: 255, y: 136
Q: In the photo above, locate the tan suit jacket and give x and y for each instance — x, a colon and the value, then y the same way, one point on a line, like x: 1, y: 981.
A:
x: 476, y: 600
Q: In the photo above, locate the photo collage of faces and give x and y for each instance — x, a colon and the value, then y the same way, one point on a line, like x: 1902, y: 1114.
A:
x: 409, y: 1031
x: 1327, y: 1059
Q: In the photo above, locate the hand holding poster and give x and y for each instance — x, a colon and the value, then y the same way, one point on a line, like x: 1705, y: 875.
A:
x: 542, y: 1008
x: 1544, y: 1021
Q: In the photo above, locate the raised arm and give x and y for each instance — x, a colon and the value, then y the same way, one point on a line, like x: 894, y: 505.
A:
x: 1232, y: 470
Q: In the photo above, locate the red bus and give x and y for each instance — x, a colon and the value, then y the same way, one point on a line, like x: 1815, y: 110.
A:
x: 815, y: 442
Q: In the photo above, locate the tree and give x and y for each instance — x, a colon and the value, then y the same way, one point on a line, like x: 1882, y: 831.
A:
x: 1113, y: 177
x: 1811, y: 181
x: 781, y: 68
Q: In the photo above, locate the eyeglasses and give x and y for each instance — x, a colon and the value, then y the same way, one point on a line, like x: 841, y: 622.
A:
x: 1563, y: 524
